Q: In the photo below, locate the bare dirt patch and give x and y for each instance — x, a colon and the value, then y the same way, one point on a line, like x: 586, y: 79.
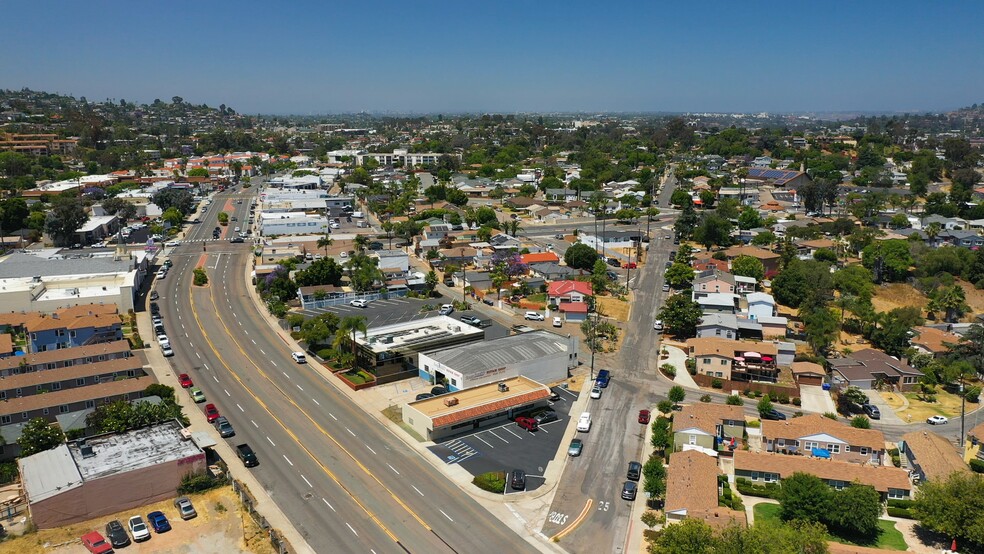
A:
x: 218, y: 529
x: 975, y: 299
x: 613, y: 308
x: 897, y: 295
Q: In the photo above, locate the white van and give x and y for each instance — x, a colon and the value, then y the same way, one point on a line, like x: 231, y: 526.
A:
x: 358, y: 215
x: 584, y: 422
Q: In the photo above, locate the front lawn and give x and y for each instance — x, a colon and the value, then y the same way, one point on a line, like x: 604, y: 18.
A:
x: 889, y: 538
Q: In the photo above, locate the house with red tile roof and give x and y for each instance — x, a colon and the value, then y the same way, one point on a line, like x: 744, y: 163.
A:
x: 559, y: 292
x: 539, y: 257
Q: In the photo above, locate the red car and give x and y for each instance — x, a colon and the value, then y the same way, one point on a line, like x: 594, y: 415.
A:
x: 95, y: 543
x: 644, y: 416
x: 630, y: 265
x: 211, y: 412
x: 527, y: 423
x: 185, y: 381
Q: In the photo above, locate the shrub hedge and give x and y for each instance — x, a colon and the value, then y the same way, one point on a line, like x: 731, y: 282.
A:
x: 493, y: 481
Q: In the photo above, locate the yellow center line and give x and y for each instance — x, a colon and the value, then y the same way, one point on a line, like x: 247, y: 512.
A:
x: 575, y: 523
x: 266, y: 408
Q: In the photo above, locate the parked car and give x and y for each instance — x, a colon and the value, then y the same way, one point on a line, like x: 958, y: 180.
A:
x: 545, y: 416
x: 631, y: 265
x: 644, y: 416
x: 138, y: 529
x: 517, y: 480
x: 557, y: 322
x: 448, y: 282
x: 584, y: 422
x: 527, y: 423
x: 596, y: 393
x: 937, y: 420
x: 161, y: 339
x: 575, y: 448
x: 359, y: 303
x: 614, y: 262
x: 438, y: 390
x: 154, y: 295
x: 211, y: 412
x: 246, y: 454
x: 424, y: 396
x: 298, y: 357
x: 471, y: 320
x: 774, y: 415
x: 871, y: 410
x: 635, y: 470
x: 666, y: 287
x: 224, y: 428
x: 629, y: 490
x: 154, y: 308
x: 159, y: 522
x: 166, y: 350
x: 116, y: 534
x: 96, y: 543
x: 604, y: 377
x: 533, y: 316
x: 185, y: 381
x: 185, y: 508
x: 197, y: 395
x: 172, y: 243
x: 446, y: 309
x: 658, y: 325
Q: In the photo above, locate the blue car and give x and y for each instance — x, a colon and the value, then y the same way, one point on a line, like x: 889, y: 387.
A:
x: 159, y: 522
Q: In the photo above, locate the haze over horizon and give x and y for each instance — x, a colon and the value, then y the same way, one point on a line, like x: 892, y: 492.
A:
x: 315, y: 58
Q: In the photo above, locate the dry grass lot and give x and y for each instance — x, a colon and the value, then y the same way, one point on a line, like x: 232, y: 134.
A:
x: 613, y: 308
x: 897, y: 295
x: 215, y: 531
x: 946, y: 405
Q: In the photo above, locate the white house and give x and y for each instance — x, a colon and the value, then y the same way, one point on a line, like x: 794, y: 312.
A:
x: 292, y: 223
x: 761, y: 305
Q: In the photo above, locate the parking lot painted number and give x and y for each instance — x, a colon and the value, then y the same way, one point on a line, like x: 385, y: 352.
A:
x: 603, y: 506
x: 557, y: 518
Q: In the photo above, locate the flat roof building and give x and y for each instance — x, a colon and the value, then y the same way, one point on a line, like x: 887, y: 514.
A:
x: 482, y: 406
x: 540, y: 355
x: 107, y: 474
x: 393, y: 349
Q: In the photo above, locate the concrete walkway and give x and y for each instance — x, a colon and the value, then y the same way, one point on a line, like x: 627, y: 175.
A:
x: 678, y: 359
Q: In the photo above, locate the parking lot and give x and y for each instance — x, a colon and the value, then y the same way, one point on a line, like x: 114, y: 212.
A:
x: 399, y: 310
x: 507, y: 446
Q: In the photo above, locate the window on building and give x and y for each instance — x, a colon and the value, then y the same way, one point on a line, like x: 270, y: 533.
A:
x: 754, y: 476
x: 23, y: 415
x: 44, y: 411
x: 770, y: 477
x: 63, y: 408
x: 724, y: 362
x: 707, y: 360
x: 19, y: 392
x: 834, y: 448
x: 90, y: 403
x: 4, y: 419
x: 80, y: 382
x: 865, y: 450
x: 896, y: 493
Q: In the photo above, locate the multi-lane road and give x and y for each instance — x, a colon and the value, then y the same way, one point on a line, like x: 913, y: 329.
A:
x: 346, y: 483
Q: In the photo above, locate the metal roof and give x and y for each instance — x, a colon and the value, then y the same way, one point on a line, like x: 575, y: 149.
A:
x: 478, y: 357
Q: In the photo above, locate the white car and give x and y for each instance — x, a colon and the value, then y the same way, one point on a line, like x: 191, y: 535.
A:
x: 584, y: 422
x: 299, y: 357
x: 138, y: 528
x: 359, y: 303
x: 172, y: 243
x: 596, y: 393
x: 161, y: 339
x: 557, y: 322
x: 534, y: 316
x: 161, y: 273
x: 335, y: 225
x: 166, y: 350
x: 937, y: 420
x: 446, y: 309
x: 658, y: 325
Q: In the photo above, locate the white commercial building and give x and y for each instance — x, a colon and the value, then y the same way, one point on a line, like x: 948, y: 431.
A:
x: 542, y: 356
x: 292, y: 223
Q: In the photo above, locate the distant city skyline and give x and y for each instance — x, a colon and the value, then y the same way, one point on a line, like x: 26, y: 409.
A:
x: 441, y: 57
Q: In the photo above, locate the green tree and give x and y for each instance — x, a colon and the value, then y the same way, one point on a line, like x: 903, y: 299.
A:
x: 164, y: 392
x: 198, y: 172
x: 854, y: 510
x: 860, y: 422
x: 713, y: 230
x: 764, y: 405
x: 950, y: 300
x: 748, y: 266
x: 803, y: 283
x: 654, y: 475
x: 174, y: 198
x: 64, y: 218
x: 888, y: 260
x: 764, y: 238
x: 854, y: 280
x: 363, y: 272
x: 894, y: 330
x: 680, y: 198
x: 13, y: 214
x: 361, y: 243
x: 173, y: 216
x: 690, y: 536
x: 580, y: 256
x: 676, y: 394
x: 125, y: 209
x: 325, y: 271
x: 804, y: 497
x: 822, y: 327
x: 662, y: 436
x: 326, y: 241
x: 599, y: 277
x: 681, y: 315
x: 347, y: 329
x: 38, y: 435
x: 679, y: 276
x: 953, y: 506
x: 749, y: 218
x: 772, y: 537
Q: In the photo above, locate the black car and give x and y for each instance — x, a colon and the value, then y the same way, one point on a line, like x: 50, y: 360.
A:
x: 517, y: 480
x: 438, y: 390
x: 614, y: 262
x: 635, y: 470
x: 424, y: 396
x: 154, y: 308
x: 545, y: 416
x: 629, y: 490
x: 117, y: 534
x: 774, y: 415
x: 871, y: 410
x: 236, y: 239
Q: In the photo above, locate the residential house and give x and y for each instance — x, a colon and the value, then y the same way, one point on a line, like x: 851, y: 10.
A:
x: 930, y: 456
x: 728, y: 326
x: 807, y: 248
x: 519, y: 202
x: 502, y: 241
x: 437, y: 231
x: 6, y: 345
x: 477, y: 280
x: 718, y: 303
x: 706, y: 264
x: 708, y: 427
x: 945, y: 223
x: 56, y: 332
x: 552, y: 271
x: 712, y: 281
x: 770, y: 260
x: 745, y: 285
x: 807, y: 373
x: 735, y: 360
x: 761, y: 305
x: 560, y: 292
x: 539, y: 257
x: 761, y: 467
x: 821, y: 437
x: 560, y: 195
x: 963, y: 239
x: 865, y: 367
x: 972, y: 446
x: 692, y: 491
x: 780, y: 178
x: 933, y: 341
x: 611, y: 239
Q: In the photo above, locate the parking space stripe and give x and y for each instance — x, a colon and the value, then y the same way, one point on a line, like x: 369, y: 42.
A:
x: 498, y: 437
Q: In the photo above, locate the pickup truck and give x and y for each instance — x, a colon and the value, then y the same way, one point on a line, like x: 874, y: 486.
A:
x: 247, y: 455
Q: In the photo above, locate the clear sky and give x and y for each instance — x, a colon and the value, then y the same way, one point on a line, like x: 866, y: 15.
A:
x: 319, y: 56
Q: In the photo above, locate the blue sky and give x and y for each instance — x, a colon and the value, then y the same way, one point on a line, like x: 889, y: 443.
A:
x: 326, y: 57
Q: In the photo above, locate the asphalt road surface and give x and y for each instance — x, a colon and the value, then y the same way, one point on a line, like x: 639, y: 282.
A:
x: 348, y: 484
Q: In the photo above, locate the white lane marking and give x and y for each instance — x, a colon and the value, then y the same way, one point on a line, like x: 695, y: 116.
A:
x: 245, y: 331
x: 394, y: 469
x: 333, y: 416
x: 206, y: 366
x: 328, y: 504
x: 446, y: 515
x: 227, y: 393
x: 271, y: 441
x: 262, y: 352
x: 215, y: 378
x: 513, y: 434
x: 298, y: 386
x: 288, y: 461
x: 498, y: 437
x: 316, y: 401
x: 199, y: 355
x: 306, y: 481
x: 285, y: 374
x: 274, y: 363
x: 418, y: 490
x: 240, y: 323
x: 240, y: 408
x: 253, y: 340
x: 350, y: 431
x: 186, y: 335
x: 350, y: 529
x: 370, y: 449
x: 254, y: 424
x: 483, y: 440
x: 183, y: 326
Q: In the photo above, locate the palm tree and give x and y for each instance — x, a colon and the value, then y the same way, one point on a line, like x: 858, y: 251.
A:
x: 361, y: 242
x: 513, y: 226
x: 388, y: 227
x: 350, y: 325
x: 325, y: 242
x: 932, y: 231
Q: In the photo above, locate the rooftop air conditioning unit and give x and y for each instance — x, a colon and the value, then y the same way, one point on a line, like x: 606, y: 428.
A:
x: 87, y: 451
x: 503, y: 387
x: 453, y: 401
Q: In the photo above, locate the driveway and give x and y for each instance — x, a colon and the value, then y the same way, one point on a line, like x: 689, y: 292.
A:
x: 815, y: 399
x: 888, y: 415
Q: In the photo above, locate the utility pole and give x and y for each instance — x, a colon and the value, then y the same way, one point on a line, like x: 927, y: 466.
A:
x: 463, y: 278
